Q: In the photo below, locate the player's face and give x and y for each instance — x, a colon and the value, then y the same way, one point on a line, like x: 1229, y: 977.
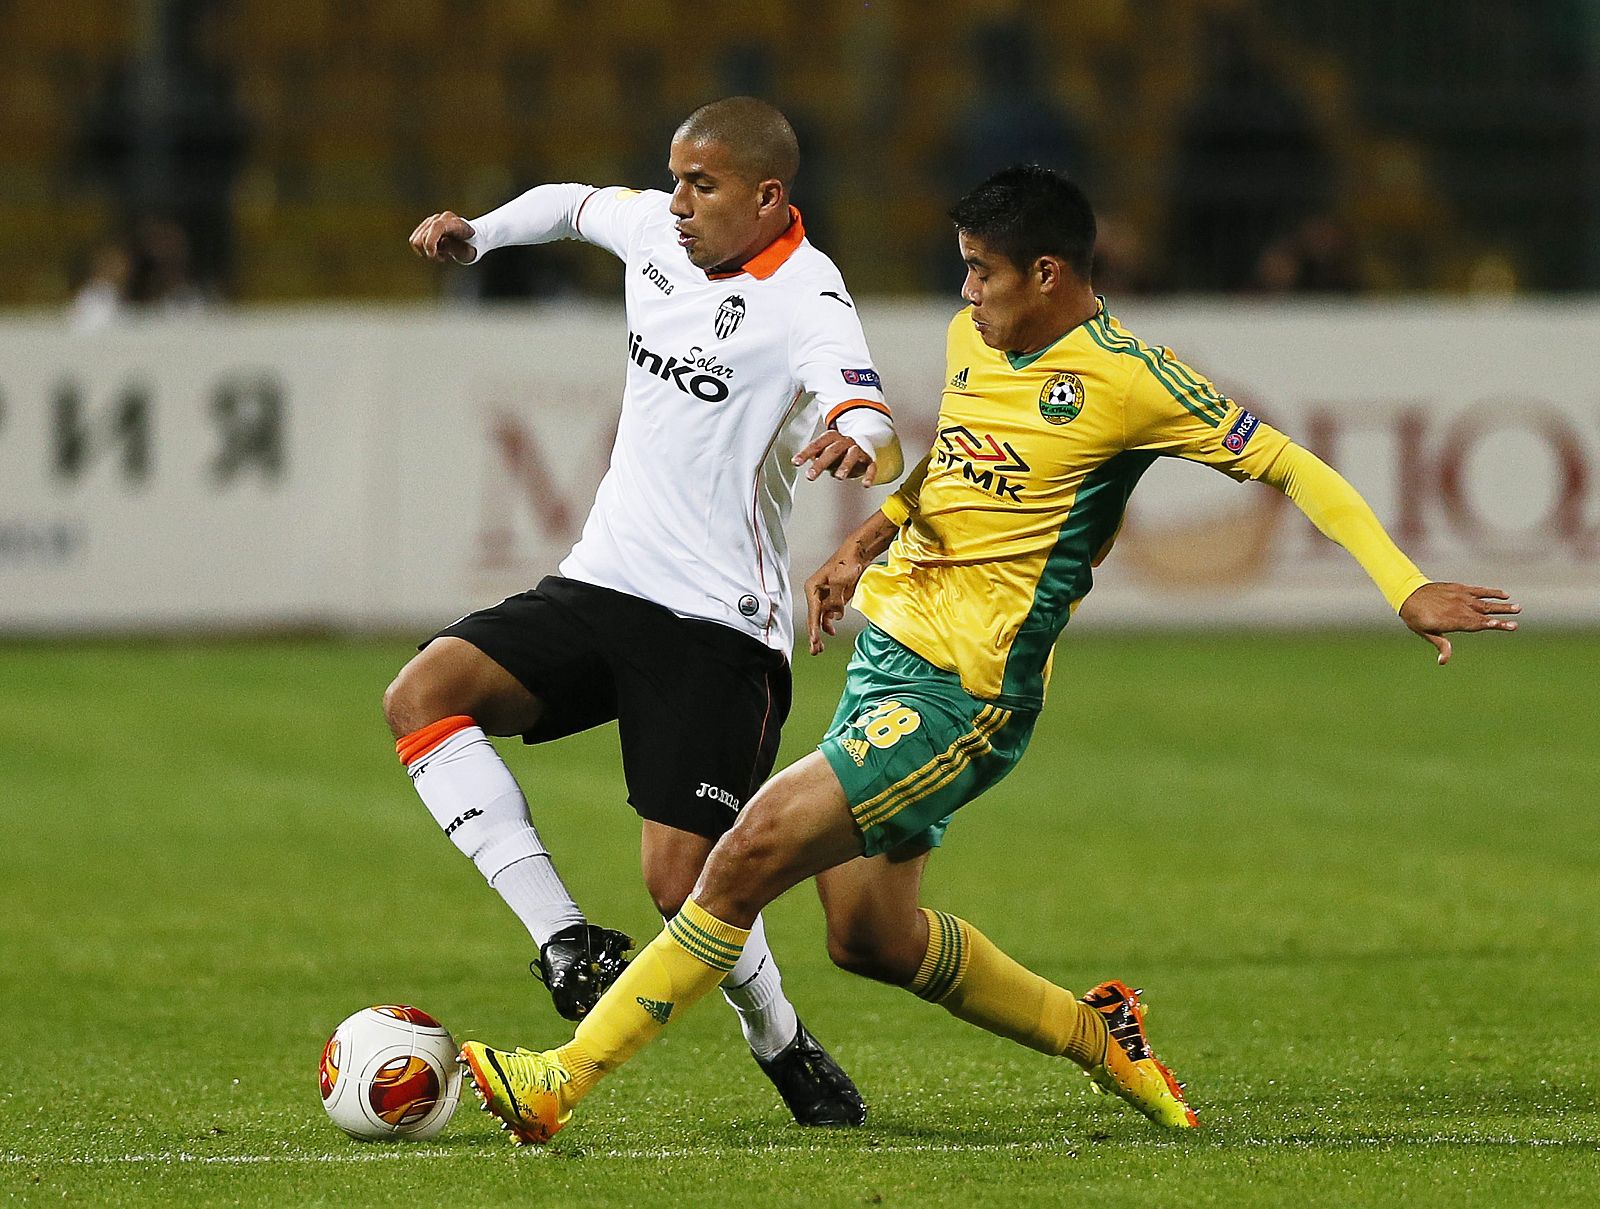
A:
x: 1007, y: 303
x: 719, y: 210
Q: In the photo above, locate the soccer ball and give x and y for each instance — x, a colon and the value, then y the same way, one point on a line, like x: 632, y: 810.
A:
x: 390, y: 1072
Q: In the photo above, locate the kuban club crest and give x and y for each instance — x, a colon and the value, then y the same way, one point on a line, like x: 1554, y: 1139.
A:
x: 1061, y: 399
x: 729, y: 316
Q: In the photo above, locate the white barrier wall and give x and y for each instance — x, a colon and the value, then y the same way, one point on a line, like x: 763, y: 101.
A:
x: 399, y: 467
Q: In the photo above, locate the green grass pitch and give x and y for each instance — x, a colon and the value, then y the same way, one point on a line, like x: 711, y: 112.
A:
x: 1361, y: 892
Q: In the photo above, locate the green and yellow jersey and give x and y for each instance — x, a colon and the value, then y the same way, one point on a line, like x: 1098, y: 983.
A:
x: 1025, y: 488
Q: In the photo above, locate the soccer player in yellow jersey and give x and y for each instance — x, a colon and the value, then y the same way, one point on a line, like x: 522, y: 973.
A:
x: 1051, y: 413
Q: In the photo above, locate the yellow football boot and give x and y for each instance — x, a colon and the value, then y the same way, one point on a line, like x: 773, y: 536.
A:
x: 1130, y: 1068
x: 522, y: 1088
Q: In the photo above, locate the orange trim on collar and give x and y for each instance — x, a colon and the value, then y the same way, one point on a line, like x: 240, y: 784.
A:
x: 770, y: 259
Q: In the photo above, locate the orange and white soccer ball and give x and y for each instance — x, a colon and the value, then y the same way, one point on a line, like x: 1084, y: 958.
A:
x: 390, y: 1072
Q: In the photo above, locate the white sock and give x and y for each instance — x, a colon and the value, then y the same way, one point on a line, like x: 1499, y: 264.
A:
x: 472, y: 795
x: 755, y: 989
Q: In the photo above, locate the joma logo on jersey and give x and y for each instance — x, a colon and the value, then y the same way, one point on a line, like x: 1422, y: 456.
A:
x: 687, y: 376
x: 656, y: 278
x: 984, y: 462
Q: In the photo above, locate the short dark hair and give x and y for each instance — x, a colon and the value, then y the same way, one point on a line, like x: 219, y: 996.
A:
x: 1028, y: 211
x: 754, y: 131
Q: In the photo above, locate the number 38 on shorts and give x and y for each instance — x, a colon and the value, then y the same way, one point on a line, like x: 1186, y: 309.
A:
x: 886, y: 723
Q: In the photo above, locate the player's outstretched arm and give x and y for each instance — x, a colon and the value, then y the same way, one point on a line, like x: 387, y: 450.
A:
x: 443, y: 238
x: 830, y: 589
x: 1437, y: 609
x: 1431, y: 610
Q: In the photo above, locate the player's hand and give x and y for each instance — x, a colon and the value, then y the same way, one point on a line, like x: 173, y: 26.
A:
x: 1437, y: 609
x: 836, y: 452
x: 830, y: 589
x: 443, y: 238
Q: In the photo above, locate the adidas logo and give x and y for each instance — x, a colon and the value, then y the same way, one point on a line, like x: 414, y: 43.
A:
x: 959, y: 382
x: 659, y: 1012
x: 856, y: 749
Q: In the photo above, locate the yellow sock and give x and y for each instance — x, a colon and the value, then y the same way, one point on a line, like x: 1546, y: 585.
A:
x: 690, y: 957
x: 964, y: 973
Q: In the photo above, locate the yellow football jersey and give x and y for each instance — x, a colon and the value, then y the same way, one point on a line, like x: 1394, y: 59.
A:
x: 1025, y: 488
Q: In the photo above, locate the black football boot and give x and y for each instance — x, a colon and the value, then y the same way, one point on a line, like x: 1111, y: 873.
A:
x: 812, y: 1084
x: 578, y: 963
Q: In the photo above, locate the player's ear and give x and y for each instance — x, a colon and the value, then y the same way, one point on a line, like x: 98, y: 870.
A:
x: 771, y: 196
x: 1047, y: 274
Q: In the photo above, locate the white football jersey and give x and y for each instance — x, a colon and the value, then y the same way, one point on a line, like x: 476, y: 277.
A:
x: 728, y: 378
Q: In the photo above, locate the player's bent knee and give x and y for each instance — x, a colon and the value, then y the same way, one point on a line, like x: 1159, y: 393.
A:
x: 396, y: 707
x: 852, y: 957
x: 668, y: 905
x: 795, y: 827
x: 406, y: 703
x: 670, y: 893
x: 881, y: 959
x: 754, y: 850
x: 745, y: 871
x: 450, y: 677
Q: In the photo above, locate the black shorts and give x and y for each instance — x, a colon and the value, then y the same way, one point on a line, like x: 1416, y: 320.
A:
x: 698, y: 706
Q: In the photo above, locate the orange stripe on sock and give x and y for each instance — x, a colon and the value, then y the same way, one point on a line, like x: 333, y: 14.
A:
x: 419, y: 743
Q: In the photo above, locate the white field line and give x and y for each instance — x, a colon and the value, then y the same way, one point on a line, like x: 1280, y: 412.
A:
x: 390, y: 1153
x: 403, y: 1153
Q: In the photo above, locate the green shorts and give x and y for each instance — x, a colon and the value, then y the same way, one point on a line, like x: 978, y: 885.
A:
x: 911, y: 746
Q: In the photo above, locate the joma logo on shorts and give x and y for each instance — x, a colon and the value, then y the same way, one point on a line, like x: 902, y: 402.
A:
x: 718, y: 795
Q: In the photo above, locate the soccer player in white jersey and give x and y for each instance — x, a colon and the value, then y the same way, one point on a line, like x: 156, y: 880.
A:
x: 672, y: 614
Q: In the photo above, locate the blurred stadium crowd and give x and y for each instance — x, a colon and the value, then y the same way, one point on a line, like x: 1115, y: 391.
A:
x: 179, y: 153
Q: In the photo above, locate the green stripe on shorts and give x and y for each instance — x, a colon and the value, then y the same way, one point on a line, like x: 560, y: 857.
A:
x: 935, y: 774
x: 911, y: 746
